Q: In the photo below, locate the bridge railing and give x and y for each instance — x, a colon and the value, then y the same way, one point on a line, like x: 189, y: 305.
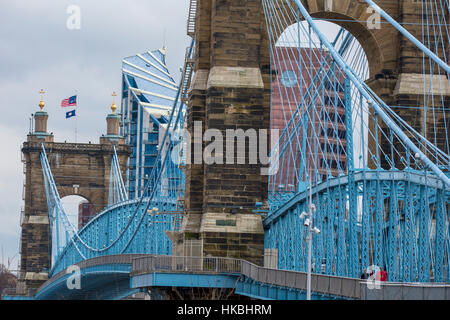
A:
x: 334, y: 286
x: 329, y: 285
x: 406, y: 291
x: 185, y: 264
x: 349, y: 288
x: 324, y: 284
x: 18, y: 291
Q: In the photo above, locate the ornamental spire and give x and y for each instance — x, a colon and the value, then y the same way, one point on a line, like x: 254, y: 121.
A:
x: 113, y: 106
x: 41, y: 103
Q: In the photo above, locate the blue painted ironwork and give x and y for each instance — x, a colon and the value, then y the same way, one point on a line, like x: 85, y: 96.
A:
x: 382, y: 189
x: 126, y: 226
x: 117, y: 192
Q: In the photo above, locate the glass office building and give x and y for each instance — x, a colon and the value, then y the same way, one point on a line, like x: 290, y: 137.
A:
x: 148, y: 95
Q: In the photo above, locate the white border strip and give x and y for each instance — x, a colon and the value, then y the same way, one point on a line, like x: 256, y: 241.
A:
x: 154, y: 57
x: 148, y: 72
x: 152, y: 94
x: 148, y: 79
x: 152, y: 64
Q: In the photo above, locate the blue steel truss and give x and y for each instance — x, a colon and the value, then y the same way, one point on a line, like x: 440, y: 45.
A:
x: 381, y: 189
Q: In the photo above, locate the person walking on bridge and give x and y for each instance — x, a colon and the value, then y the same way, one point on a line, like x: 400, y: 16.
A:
x: 383, y: 274
x: 364, y: 275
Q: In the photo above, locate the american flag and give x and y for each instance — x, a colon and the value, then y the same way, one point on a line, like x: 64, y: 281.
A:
x: 69, y: 102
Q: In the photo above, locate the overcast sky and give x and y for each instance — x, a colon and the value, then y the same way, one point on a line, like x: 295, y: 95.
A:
x: 37, y: 50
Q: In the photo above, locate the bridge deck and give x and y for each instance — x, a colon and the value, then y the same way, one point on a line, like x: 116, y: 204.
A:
x: 125, y: 274
x: 264, y: 283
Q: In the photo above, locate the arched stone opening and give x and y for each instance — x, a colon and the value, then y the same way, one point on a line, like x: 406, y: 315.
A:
x: 379, y: 44
x: 303, y: 67
x: 78, y: 209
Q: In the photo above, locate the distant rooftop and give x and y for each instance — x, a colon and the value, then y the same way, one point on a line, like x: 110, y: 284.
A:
x: 149, y: 80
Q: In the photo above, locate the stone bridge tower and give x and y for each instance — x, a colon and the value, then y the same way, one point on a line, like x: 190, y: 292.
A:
x: 231, y: 90
x: 78, y: 169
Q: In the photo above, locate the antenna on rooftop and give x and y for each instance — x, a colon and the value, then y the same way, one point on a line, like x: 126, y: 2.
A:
x: 164, y: 38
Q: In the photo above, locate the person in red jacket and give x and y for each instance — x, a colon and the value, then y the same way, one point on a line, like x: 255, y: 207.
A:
x: 383, y: 274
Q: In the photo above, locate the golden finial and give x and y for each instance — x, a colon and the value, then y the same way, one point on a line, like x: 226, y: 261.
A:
x: 41, y: 103
x: 113, y: 106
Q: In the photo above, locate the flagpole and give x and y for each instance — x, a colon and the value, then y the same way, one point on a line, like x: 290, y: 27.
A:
x: 76, y: 117
x: 76, y: 123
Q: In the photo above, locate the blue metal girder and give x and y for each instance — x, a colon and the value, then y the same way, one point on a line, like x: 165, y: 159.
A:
x: 150, y: 235
x: 257, y: 290
x: 331, y: 254
x: 424, y: 236
x: 365, y: 228
x: 378, y: 216
x: 393, y: 233
x: 186, y: 280
x: 341, y: 241
x: 319, y: 239
x: 440, y: 238
x: 392, y: 212
x: 353, y: 264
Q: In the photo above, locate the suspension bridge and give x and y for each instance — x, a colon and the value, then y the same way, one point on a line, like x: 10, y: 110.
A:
x: 363, y: 115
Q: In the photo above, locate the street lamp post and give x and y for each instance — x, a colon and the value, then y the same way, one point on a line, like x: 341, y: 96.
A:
x: 308, y: 281
x: 311, y: 230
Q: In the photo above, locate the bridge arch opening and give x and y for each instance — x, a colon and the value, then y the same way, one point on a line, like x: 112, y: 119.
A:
x: 78, y: 209
x: 359, y: 19
x: 295, y: 36
x: 306, y: 82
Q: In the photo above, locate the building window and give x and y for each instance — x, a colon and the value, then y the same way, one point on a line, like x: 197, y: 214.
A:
x: 289, y: 78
